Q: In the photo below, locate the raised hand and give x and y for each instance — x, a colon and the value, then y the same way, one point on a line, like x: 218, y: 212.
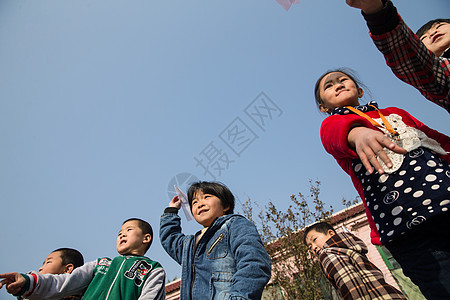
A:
x: 367, y: 6
x: 175, y: 202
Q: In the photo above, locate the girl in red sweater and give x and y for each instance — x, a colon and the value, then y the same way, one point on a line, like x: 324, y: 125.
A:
x: 408, y: 203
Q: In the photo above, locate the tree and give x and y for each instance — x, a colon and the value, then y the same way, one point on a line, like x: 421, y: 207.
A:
x: 295, y: 269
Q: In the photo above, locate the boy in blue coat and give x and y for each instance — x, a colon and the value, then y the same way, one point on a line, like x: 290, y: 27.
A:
x: 226, y: 259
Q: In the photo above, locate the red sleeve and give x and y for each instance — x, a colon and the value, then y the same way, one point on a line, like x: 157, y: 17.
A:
x: 334, y: 132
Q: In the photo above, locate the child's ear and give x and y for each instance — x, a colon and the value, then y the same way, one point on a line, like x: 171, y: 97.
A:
x: 147, y: 238
x: 225, y: 209
x: 331, y: 233
x: 360, y: 92
x: 69, y: 268
x: 323, y: 108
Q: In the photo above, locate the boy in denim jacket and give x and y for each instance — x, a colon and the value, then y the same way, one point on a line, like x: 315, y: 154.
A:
x: 226, y: 259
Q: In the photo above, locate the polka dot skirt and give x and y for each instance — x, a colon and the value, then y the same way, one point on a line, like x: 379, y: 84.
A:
x: 400, y: 201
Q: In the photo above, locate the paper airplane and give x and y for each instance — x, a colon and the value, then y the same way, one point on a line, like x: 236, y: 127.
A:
x: 184, y: 203
x: 286, y: 4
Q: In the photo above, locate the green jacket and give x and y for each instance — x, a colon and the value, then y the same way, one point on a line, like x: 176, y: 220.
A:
x: 124, y: 277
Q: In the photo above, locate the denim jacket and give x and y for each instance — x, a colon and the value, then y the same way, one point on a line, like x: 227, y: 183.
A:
x: 230, y: 261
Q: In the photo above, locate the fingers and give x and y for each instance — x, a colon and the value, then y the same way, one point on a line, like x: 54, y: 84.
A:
x: 369, y: 144
x: 396, y: 148
x: 354, y: 3
x: 379, y: 152
x: 7, y: 279
x: 3, y: 282
x: 175, y: 202
x: 13, y: 288
x: 17, y: 282
x: 365, y: 161
x: 369, y: 158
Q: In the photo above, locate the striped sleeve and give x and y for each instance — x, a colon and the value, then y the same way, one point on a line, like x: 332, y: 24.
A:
x: 414, y: 64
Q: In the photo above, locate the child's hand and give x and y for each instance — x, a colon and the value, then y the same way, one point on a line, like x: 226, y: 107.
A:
x: 176, y: 202
x: 368, y: 144
x: 13, y: 281
x: 367, y: 6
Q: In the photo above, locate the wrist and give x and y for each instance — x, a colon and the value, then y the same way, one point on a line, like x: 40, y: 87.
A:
x: 351, y: 136
x: 374, y: 8
x: 383, y: 21
x: 171, y: 210
x: 25, y: 287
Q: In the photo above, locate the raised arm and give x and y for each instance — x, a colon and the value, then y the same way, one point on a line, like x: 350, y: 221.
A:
x: 406, y: 55
x: 170, y: 234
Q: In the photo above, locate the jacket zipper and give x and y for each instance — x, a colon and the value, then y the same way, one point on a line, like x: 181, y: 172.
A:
x: 221, y: 236
x: 117, y: 274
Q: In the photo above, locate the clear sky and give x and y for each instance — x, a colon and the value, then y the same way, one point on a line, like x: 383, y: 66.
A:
x: 103, y: 104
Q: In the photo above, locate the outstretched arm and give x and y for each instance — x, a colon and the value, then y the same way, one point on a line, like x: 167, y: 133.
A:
x: 406, y: 55
x: 49, y: 286
x: 368, y: 144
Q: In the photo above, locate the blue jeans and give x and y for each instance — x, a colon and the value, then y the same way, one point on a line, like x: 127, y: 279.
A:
x: 424, y: 254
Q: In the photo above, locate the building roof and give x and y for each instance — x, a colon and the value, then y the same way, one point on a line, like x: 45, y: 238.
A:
x: 173, y: 286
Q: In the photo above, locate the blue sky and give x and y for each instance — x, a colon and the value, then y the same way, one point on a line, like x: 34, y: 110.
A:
x: 104, y: 103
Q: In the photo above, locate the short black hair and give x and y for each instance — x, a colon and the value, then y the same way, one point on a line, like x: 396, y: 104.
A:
x: 321, y: 227
x: 430, y: 24
x: 217, y: 189
x: 144, y: 226
x: 346, y: 71
x: 71, y: 256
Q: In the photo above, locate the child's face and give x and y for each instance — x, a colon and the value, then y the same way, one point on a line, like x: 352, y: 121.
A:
x: 206, y: 208
x: 337, y: 90
x: 437, y: 38
x: 315, y: 240
x: 53, y: 264
x: 131, y: 239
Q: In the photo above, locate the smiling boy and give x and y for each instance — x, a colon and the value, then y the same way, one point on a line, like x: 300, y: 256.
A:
x: 226, y: 259
x: 344, y: 262
x: 128, y: 276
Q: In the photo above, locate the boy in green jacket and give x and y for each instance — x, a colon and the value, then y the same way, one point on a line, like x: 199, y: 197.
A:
x: 128, y: 276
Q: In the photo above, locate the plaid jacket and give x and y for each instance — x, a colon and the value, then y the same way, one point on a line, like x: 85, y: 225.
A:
x: 408, y: 57
x: 344, y: 262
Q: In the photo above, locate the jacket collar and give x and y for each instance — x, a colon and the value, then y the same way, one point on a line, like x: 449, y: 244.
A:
x: 363, y: 108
